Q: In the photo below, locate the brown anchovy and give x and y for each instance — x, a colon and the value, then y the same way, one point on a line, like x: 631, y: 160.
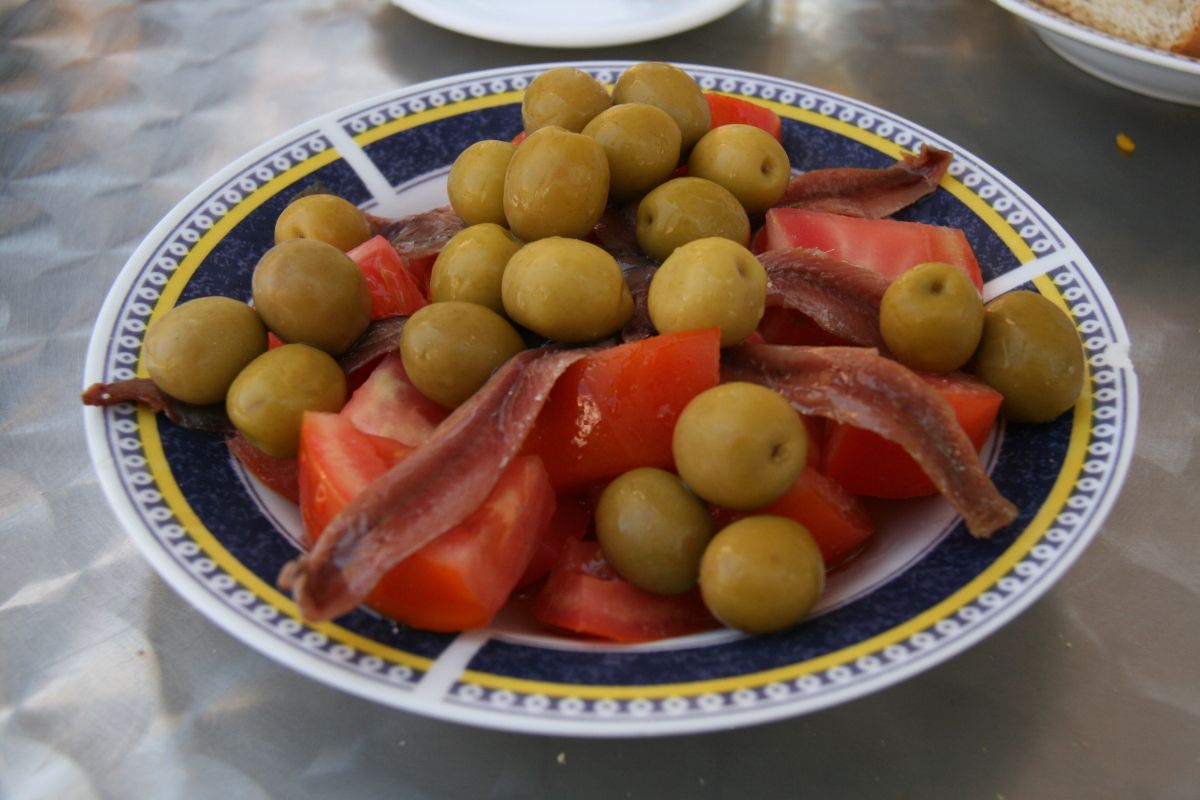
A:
x: 869, y: 193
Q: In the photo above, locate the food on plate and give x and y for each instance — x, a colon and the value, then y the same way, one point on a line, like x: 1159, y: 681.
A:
x: 310, y: 292
x: 326, y: 218
x: 755, y: 394
x: 931, y: 317
x: 1172, y: 25
x: 739, y: 445
x: 642, y: 143
x: 563, y: 96
x: 269, y: 397
x: 762, y: 574
x: 195, y: 350
x: 471, y: 265
x: 653, y: 530
x: 711, y: 282
x: 685, y: 209
x: 450, y: 349
x: 747, y: 161
x: 476, y: 182
x: 556, y: 185
x: 567, y: 290
x: 1030, y: 352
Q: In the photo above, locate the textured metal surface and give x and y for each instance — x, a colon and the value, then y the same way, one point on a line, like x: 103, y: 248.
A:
x: 112, y: 686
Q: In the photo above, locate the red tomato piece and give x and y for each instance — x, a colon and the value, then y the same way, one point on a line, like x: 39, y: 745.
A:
x: 387, y: 404
x: 273, y: 341
x: 584, y: 595
x: 865, y: 463
x: 570, y: 522
x: 887, y: 246
x: 462, y: 578
x: 726, y: 109
x: 615, y: 410
x: 281, y: 475
x: 395, y: 287
x: 781, y: 325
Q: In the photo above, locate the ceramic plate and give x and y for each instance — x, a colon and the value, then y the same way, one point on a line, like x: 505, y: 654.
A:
x: 553, y: 23
x: 1156, y: 73
x: 923, y: 591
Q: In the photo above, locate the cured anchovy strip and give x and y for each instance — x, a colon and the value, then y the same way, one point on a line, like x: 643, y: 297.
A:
x: 869, y: 193
x: 430, y: 491
x: 381, y: 337
x: 841, y: 297
x: 859, y: 387
x: 207, y: 419
x: 419, y: 235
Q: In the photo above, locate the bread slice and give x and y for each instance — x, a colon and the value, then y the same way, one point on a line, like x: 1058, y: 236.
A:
x: 1172, y: 25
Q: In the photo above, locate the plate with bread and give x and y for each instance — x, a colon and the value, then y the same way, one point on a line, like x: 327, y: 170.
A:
x: 1147, y: 46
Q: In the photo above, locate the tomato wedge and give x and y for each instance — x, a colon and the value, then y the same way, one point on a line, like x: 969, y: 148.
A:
x: 570, y: 522
x: 726, y: 109
x: 887, y: 246
x: 781, y: 325
x: 281, y: 475
x: 615, y: 410
x: 585, y: 596
x: 387, y: 404
x: 865, y: 463
x: 395, y: 289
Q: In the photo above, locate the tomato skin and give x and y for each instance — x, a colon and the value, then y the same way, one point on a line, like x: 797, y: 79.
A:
x: 726, y: 109
x: 616, y: 409
x: 887, y: 246
x: 281, y: 475
x: 394, y: 285
x: 867, y: 464
x: 387, y: 404
x: 584, y: 595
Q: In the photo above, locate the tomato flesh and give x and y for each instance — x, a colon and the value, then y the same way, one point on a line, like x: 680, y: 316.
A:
x: 395, y: 288
x: 781, y: 325
x: 615, y: 410
x: 865, y: 463
x: 569, y: 523
x: 726, y: 109
x: 584, y: 595
x: 887, y: 246
x: 387, y: 404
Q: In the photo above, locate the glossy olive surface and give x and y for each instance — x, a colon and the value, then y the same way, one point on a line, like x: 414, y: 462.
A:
x: 642, y: 143
x: 747, y: 161
x: 450, y: 349
x: 476, y: 182
x: 1030, y: 352
x: 931, y: 317
x: 195, y: 350
x: 709, y: 282
x: 672, y: 90
x: 762, y: 574
x: 267, y: 400
x: 326, y: 218
x: 566, y: 289
x: 310, y: 292
x: 471, y: 265
x: 739, y: 445
x: 685, y: 209
x: 563, y: 96
x: 556, y: 185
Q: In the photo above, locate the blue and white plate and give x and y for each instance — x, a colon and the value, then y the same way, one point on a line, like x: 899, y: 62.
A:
x: 922, y: 592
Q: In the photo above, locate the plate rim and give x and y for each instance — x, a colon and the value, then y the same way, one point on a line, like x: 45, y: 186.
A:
x: 245, y: 630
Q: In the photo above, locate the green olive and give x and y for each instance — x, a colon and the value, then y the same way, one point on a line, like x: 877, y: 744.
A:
x: 267, y: 400
x: 931, y: 317
x: 747, y: 161
x: 672, y: 90
x: 563, y: 96
x: 566, y: 289
x: 762, y: 574
x: 471, y: 264
x: 326, y: 218
x: 709, y: 282
x: 311, y: 292
x: 684, y: 209
x: 739, y: 445
x: 450, y: 349
x: 195, y: 350
x: 556, y: 185
x: 476, y: 182
x: 1030, y: 353
x: 653, y: 530
x: 642, y: 145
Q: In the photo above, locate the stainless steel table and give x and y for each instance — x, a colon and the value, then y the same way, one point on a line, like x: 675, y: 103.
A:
x: 112, y: 686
